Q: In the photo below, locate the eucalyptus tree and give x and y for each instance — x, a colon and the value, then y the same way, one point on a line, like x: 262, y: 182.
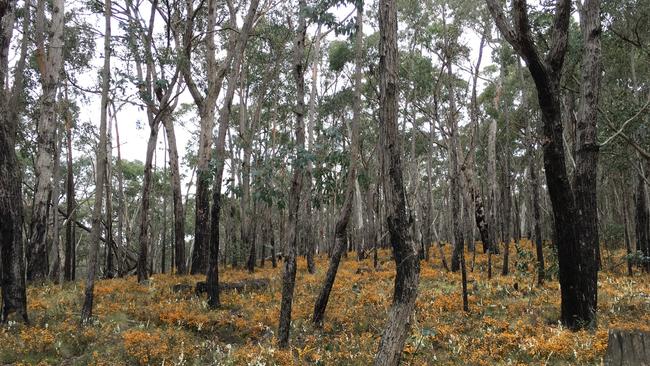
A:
x: 215, y: 72
x: 14, y: 297
x: 574, y: 207
x: 406, y: 259
x: 240, y: 41
x: 70, y: 245
x: 50, y: 61
x: 100, y: 174
x: 503, y: 102
x: 157, y: 78
x: 177, y: 196
x: 351, y: 179
x: 297, y: 181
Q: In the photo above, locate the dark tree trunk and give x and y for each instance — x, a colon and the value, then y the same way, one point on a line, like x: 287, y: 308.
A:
x: 246, y: 132
x: 537, y: 220
x: 206, y: 106
x: 404, y: 251
x: 252, y: 252
x: 212, y: 278
x: 346, y: 211
x: 626, y: 227
x: 289, y: 273
x: 642, y: 222
x: 265, y: 240
x: 14, y: 298
x: 586, y: 172
x: 201, y: 219
x: 274, y: 261
x: 100, y: 174
x: 56, y: 266
x: 507, y: 219
x: 575, y: 233
x: 70, y: 203
x: 308, y: 230
x: 506, y: 193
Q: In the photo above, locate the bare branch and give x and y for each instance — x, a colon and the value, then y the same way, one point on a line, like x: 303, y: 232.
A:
x: 620, y: 131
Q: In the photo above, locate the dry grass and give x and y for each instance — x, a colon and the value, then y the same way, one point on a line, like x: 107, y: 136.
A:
x: 511, y: 321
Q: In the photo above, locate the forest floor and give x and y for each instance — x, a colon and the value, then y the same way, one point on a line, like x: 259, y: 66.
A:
x: 511, y: 321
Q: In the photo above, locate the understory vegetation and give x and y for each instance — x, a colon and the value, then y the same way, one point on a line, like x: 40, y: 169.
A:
x: 511, y: 320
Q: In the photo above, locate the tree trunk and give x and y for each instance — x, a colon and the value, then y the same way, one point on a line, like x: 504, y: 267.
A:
x: 206, y: 105
x: 179, y: 214
x: 458, y: 253
x: 50, y: 63
x: 454, y: 171
x: 111, y: 251
x: 642, y: 222
x: 351, y: 180
x: 202, y: 196
x: 246, y: 135
x: 308, y: 236
x: 289, y: 272
x: 274, y: 262
x: 474, y: 197
x: 14, y: 297
x: 70, y: 204
x: 493, y: 189
x: 212, y: 278
x: 100, y: 175
x: 163, y: 254
x: 56, y: 268
x: 506, y: 196
x: 626, y: 226
x: 405, y: 254
x: 507, y: 211
x: 586, y: 173
x: 574, y: 232
x: 145, y: 221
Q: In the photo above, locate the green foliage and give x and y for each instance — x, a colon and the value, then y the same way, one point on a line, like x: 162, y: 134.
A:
x: 339, y: 54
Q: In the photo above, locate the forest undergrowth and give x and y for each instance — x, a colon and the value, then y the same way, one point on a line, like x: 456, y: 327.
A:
x: 511, y: 320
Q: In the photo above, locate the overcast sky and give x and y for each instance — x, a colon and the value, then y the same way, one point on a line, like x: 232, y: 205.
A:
x: 134, y: 135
